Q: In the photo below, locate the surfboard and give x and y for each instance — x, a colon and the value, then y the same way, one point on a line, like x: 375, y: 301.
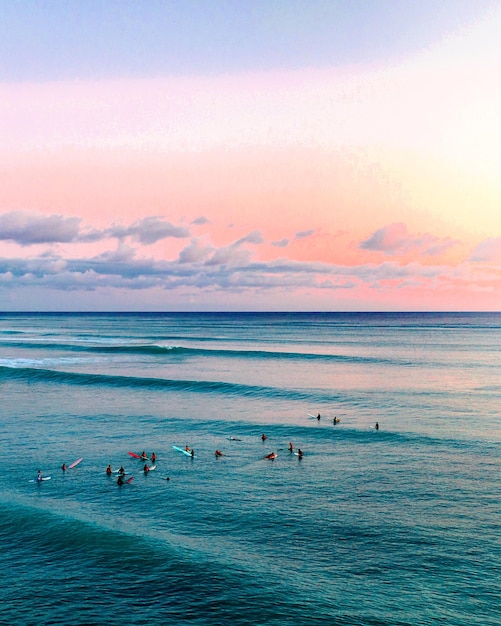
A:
x: 271, y: 456
x: 75, y: 463
x: 153, y: 467
x: 129, y: 480
x: 182, y: 450
x: 136, y: 456
x: 234, y: 439
x: 312, y: 416
x: 35, y: 480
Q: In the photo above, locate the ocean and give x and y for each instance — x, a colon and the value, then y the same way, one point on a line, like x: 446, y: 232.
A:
x: 373, y: 527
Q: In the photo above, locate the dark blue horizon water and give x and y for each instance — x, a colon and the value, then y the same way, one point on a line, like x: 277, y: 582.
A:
x: 396, y: 526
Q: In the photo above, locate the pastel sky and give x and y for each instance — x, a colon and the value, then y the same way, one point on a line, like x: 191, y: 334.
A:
x: 195, y: 155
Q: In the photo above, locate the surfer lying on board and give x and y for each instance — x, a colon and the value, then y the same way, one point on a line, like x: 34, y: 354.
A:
x: 219, y: 453
x: 272, y: 455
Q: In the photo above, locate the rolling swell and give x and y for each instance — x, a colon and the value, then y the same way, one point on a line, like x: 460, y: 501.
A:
x: 33, y: 375
x: 156, y: 350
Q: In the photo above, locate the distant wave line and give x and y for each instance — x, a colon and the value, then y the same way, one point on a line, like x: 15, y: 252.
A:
x: 34, y: 375
x: 156, y: 350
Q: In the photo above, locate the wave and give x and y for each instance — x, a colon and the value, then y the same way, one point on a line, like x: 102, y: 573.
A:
x: 157, y: 350
x: 35, y: 375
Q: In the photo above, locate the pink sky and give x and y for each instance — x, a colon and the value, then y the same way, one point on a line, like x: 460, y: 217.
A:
x: 368, y: 187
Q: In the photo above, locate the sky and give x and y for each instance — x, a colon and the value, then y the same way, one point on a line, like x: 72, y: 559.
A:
x: 237, y: 155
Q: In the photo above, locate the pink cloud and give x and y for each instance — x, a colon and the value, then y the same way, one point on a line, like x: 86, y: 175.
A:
x: 487, y: 251
x: 395, y: 239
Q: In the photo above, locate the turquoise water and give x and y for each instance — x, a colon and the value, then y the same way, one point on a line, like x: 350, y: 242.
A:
x: 398, y: 526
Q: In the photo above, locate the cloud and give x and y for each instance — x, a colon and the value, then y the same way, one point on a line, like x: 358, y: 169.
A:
x: 395, y: 239
x: 253, y: 237
x: 194, y: 253
x: 231, y: 255
x: 283, y: 243
x: 305, y: 233
x: 30, y: 228
x: 35, y: 228
x: 487, y: 251
x: 149, y: 230
x: 199, y: 221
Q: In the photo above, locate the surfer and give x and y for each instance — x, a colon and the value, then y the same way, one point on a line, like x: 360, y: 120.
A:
x: 120, y: 480
x: 300, y: 453
x: 271, y: 455
x: 291, y: 446
x: 143, y: 456
x: 377, y: 426
x: 108, y: 470
x: 219, y: 453
x: 187, y: 448
x: 192, y: 452
x: 318, y: 417
x: 121, y: 471
x: 39, y: 475
x: 153, y: 457
x: 63, y: 467
x: 335, y: 421
x: 146, y: 469
x: 263, y: 437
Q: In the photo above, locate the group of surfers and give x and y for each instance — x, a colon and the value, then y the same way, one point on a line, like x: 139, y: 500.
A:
x: 144, y: 457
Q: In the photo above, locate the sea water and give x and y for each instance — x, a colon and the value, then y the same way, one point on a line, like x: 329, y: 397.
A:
x: 388, y: 527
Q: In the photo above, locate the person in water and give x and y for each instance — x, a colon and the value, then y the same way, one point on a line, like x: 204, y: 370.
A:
x: 318, y: 417
x: 291, y: 446
x: 219, y: 453
x: 146, y: 469
x: 192, y: 452
x: 335, y: 420
x: 121, y: 471
x: 377, y: 426
x: 108, y: 470
x: 153, y: 457
x: 39, y: 475
x: 143, y: 455
x: 63, y: 467
x: 271, y: 455
x: 263, y: 437
x: 187, y: 448
x: 300, y: 453
x: 120, y: 481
